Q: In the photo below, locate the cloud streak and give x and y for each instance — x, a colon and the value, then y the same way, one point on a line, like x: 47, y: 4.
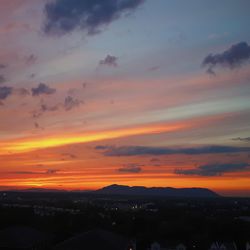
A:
x: 244, y: 139
x: 141, y: 150
x: 130, y: 168
x: 216, y: 169
x: 65, y: 16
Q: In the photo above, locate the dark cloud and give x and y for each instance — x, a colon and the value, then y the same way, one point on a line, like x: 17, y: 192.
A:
x: 154, y: 68
x: 37, y: 126
x: 234, y: 57
x: 51, y: 171
x: 109, y: 61
x: 46, y: 108
x: 3, y: 66
x: 154, y: 160
x: 42, y: 89
x: 48, y: 171
x: 2, y: 79
x: 245, y: 139
x: 70, y: 103
x: 65, y: 16
x: 24, y: 172
x: 31, y: 59
x: 131, y: 168
x: 216, y: 169
x: 101, y: 147
x: 43, y: 108
x: 5, y: 92
x: 141, y: 150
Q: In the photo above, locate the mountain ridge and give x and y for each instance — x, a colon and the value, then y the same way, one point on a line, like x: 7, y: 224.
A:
x: 116, y: 189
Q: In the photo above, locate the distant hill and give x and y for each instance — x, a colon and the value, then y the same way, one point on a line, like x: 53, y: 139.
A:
x: 156, y: 191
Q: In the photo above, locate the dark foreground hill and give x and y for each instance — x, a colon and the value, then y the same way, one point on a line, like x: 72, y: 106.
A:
x: 156, y: 191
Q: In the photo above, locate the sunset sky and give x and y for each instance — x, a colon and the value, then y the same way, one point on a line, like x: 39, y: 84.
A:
x: 133, y: 92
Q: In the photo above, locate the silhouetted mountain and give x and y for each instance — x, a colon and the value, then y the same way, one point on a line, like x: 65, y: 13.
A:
x: 157, y: 191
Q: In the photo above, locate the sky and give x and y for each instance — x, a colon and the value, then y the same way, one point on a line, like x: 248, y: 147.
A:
x: 132, y: 92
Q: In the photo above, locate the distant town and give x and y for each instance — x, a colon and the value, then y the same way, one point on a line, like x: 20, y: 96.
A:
x: 81, y: 220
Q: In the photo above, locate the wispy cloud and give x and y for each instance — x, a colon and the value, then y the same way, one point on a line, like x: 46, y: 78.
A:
x: 215, y: 169
x: 131, y: 168
x: 244, y: 139
x: 45, y: 172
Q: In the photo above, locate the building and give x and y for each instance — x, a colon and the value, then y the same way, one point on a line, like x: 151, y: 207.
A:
x: 223, y: 246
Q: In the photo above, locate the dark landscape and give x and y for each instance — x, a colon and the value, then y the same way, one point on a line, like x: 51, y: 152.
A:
x: 69, y: 220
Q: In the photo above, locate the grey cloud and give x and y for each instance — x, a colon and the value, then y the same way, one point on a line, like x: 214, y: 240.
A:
x: 216, y: 169
x: 37, y: 126
x: 131, y: 168
x: 154, y: 68
x: 5, y: 92
x: 141, y: 150
x: 45, y: 172
x: 44, y: 108
x: 31, y: 59
x: 234, y: 57
x: 244, y: 139
x: 102, y: 147
x: 42, y: 89
x: 51, y: 171
x: 70, y: 103
x: 3, y: 66
x: 64, y: 16
x: 154, y: 160
x: 72, y: 156
x: 109, y: 61
x: 24, y: 172
x: 2, y: 79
